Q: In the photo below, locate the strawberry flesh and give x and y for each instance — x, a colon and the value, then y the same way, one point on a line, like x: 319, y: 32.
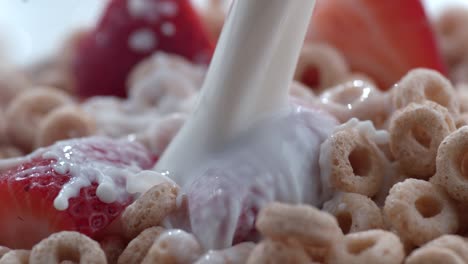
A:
x: 28, y: 191
x: 128, y: 32
x: 384, y: 39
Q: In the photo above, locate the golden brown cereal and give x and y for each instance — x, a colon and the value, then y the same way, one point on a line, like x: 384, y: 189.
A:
x: 350, y: 161
x: 354, y: 212
x: 330, y: 64
x: 3, y: 251
x: 149, y: 209
x: 453, y: 38
x: 26, y: 111
x: 174, y: 246
x: 113, y: 246
x: 452, y: 164
x: 392, y: 176
x: 433, y: 255
x: 354, y: 98
x: 236, y: 254
x: 419, y: 85
x: 461, y: 120
x: 305, y: 224
x: 12, y: 83
x: 372, y: 246
x: 8, y: 151
x: 137, y: 249
x: 462, y: 96
x: 420, y: 211
x: 277, y: 252
x: 416, y: 132
x: 455, y: 243
x: 67, y: 245
x: 19, y: 256
x: 62, y: 123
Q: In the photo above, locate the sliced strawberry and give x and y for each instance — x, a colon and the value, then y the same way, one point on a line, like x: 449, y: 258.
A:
x: 129, y: 31
x: 29, y: 190
x: 384, y: 38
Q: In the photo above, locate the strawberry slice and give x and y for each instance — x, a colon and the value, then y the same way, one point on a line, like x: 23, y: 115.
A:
x: 73, y: 175
x: 129, y: 31
x: 384, y: 38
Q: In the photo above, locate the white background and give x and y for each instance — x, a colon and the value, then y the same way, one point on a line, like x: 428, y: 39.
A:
x: 31, y: 29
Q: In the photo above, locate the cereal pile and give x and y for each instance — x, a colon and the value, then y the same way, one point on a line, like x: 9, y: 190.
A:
x: 394, y: 173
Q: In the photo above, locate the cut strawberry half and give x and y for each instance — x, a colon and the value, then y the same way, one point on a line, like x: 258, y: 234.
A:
x: 384, y: 39
x: 69, y: 173
x: 129, y: 31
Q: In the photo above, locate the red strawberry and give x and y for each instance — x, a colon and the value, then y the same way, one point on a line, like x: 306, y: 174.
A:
x: 383, y: 38
x: 129, y: 31
x: 28, y: 190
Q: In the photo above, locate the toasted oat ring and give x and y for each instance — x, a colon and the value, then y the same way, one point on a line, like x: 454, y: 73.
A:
x: 7, y: 151
x: 452, y: 34
x: 149, y: 209
x: 419, y: 85
x: 277, y: 252
x: 305, y: 224
x: 167, y: 248
x: 330, y: 64
x: 415, y: 135
x: 355, y: 163
x: 137, y: 249
x: 236, y: 254
x: 113, y: 246
x: 67, y: 245
x: 19, y: 256
x: 455, y: 243
x: 64, y: 122
x: 372, y: 246
x: 452, y: 164
x: 433, y: 255
x: 420, y: 211
x: 26, y: 111
x: 354, y: 212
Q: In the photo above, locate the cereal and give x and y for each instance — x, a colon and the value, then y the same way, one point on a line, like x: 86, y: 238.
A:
x: 272, y: 252
x: 452, y: 164
x: 26, y: 111
x: 306, y: 224
x: 137, y: 249
x: 330, y: 65
x: 419, y: 211
x: 62, y: 123
x: 150, y: 209
x: 372, y: 246
x: 67, y: 245
x: 350, y: 160
x: 354, y: 212
x: 416, y: 132
x: 3, y: 251
x: 419, y: 85
x: 236, y: 254
x: 354, y: 98
x: 19, y: 256
x: 453, y: 37
x: 461, y: 120
x: 8, y: 151
x: 113, y: 246
x: 12, y: 83
x: 174, y: 246
x: 445, y: 249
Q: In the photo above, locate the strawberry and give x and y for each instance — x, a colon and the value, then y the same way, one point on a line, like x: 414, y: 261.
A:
x: 384, y: 38
x: 31, y: 190
x: 128, y: 32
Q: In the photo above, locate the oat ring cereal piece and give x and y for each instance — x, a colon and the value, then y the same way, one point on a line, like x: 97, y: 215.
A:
x: 305, y: 224
x: 453, y: 36
x: 64, y: 122
x: 372, y: 246
x: 354, y: 212
x: 237, y: 254
x: 150, y: 209
x: 445, y: 249
x: 419, y: 85
x: 330, y: 65
x: 137, y: 249
x: 19, y: 256
x: 174, y: 246
x: 416, y: 132
x: 277, y: 252
x: 420, y: 211
x: 27, y: 110
x: 67, y: 245
x: 351, y: 162
x: 452, y: 164
x: 113, y: 246
x: 354, y: 98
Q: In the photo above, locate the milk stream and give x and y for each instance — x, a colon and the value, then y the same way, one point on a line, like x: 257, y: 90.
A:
x: 248, y: 79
